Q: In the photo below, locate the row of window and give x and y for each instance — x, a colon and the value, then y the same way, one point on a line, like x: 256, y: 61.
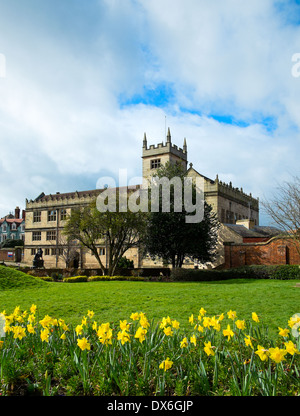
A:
x: 50, y: 235
x: 51, y: 215
x: 4, y: 237
x: 60, y: 251
x: 230, y: 217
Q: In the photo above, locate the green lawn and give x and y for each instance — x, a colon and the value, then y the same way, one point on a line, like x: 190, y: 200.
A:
x: 275, y: 301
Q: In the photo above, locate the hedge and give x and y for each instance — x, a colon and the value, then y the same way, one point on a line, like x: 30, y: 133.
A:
x: 282, y: 272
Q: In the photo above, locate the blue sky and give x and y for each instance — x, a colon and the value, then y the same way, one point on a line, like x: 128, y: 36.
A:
x: 84, y: 81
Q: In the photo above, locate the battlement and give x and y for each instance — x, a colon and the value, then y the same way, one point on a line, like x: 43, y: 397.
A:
x: 164, y: 148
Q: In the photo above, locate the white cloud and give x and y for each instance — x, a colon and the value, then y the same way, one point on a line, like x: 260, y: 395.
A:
x: 61, y: 125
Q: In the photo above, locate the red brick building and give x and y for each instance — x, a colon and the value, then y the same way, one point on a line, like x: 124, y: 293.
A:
x: 275, y: 251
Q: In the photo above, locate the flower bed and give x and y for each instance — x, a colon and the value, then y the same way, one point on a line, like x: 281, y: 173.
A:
x: 216, y: 355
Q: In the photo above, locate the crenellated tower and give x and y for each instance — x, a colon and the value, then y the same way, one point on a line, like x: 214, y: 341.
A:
x: 155, y: 156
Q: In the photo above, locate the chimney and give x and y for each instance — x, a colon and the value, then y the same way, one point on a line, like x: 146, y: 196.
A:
x: 17, y: 213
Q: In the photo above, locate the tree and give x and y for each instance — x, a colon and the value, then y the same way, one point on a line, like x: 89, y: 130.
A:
x: 119, y: 231
x: 170, y: 237
x: 284, y: 209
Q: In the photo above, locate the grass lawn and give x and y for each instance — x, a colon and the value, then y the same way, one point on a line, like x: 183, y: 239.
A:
x: 275, y: 301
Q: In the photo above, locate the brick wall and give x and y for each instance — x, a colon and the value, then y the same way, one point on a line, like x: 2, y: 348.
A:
x: 275, y: 251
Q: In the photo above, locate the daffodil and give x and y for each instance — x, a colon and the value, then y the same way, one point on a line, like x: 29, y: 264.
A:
x: 19, y: 332
x: 208, y: 348
x: 283, y: 332
x: 45, y: 335
x: 175, y: 324
x: 135, y: 316
x: 123, y: 336
x: 255, y: 317
x: 248, y: 341
x: 30, y: 329
x: 141, y: 334
x: 262, y: 353
x: 124, y: 325
x: 79, y: 329
x: 166, y: 364
x: 228, y: 332
x: 83, y: 344
x: 191, y: 319
x: 63, y: 336
x: 293, y: 320
x: 90, y: 314
x: 231, y: 314
x: 202, y: 312
x: 240, y: 324
x: 33, y: 308
x: 168, y: 331
x: 200, y: 328
x: 184, y: 343
x: 277, y: 354
x: 144, y: 321
x: 193, y: 339
x: 291, y: 348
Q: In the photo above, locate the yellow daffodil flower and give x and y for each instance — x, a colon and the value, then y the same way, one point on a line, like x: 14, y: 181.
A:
x: 240, y: 324
x: 228, y: 332
x: 283, y: 332
x: 193, y: 340
x: 248, y: 341
x: 208, y: 348
x: 255, y: 317
x: 166, y: 364
x: 262, y: 353
x: 291, y: 348
x: 184, y: 343
x: 231, y: 314
x: 135, y: 316
x: 141, y: 334
x: 45, y: 335
x: 168, y: 331
x: 277, y: 354
x: 83, y: 344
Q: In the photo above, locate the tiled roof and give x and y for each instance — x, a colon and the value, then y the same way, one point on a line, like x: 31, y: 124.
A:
x: 256, y: 232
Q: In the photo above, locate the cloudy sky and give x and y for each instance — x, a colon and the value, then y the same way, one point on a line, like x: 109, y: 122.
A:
x: 81, y: 81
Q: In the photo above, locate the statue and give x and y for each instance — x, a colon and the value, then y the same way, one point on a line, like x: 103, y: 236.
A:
x: 38, y: 261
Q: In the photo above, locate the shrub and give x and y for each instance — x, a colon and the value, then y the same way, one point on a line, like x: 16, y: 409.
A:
x: 282, y: 272
x: 108, y: 278
x: 75, y: 279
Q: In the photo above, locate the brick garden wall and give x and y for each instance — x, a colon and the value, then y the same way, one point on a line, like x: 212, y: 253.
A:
x: 273, y: 252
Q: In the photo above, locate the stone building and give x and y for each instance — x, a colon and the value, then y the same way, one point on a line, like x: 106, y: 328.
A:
x: 46, y: 215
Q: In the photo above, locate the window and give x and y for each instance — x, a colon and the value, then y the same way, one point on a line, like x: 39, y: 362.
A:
x: 36, y: 216
x: 102, y: 251
x: 63, y: 214
x: 52, y: 215
x: 4, y: 228
x: 51, y: 235
x: 47, y: 251
x: 155, y: 163
x: 36, y: 235
x: 33, y: 251
x: 13, y: 226
x: 57, y: 251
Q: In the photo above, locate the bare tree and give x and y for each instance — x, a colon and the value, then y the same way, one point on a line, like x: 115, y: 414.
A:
x: 284, y: 209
